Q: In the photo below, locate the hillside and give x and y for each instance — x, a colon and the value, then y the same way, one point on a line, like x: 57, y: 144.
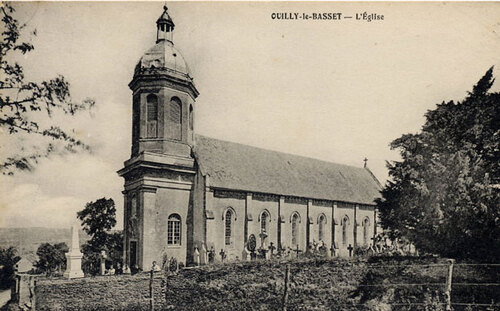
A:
x: 27, y: 240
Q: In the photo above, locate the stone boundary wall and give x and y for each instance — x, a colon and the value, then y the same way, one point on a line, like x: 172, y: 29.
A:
x: 116, y: 292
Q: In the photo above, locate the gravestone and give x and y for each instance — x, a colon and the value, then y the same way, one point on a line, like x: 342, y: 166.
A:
x: 371, y: 251
x: 350, y: 248
x: 103, y: 262
x: 244, y: 254
x: 334, y: 249
x: 211, y: 255
x: 297, y: 251
x: 271, y: 248
x: 203, y: 254
x: 196, y: 256
x: 222, y: 255
x: 126, y: 269
x: 74, y: 256
x: 252, y: 244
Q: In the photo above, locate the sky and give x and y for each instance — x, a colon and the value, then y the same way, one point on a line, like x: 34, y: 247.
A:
x: 335, y: 90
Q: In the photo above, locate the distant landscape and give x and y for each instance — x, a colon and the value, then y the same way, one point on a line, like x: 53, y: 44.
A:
x: 27, y: 240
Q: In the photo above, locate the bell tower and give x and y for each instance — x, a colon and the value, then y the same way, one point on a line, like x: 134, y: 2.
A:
x: 163, y: 97
x: 160, y: 172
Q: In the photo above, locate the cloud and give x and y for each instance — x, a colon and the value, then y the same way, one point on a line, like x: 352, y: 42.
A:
x: 26, y: 205
x: 60, y: 186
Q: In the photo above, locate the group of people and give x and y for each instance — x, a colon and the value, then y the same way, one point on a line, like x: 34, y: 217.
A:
x: 125, y: 269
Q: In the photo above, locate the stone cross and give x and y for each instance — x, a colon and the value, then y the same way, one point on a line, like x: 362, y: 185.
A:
x: 350, y: 248
x: 366, y: 162
x: 297, y: 251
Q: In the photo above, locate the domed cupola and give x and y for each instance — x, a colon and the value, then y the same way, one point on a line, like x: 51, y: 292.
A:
x: 163, y: 59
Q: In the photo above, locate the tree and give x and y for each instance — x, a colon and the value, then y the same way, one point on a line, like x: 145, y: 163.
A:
x: 51, y: 258
x: 27, y: 107
x: 98, y: 218
x: 8, y: 261
x: 443, y: 196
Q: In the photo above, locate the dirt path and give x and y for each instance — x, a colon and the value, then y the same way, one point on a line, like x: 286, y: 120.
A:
x: 4, y: 297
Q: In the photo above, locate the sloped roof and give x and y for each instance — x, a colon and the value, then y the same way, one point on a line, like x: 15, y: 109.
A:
x: 241, y: 167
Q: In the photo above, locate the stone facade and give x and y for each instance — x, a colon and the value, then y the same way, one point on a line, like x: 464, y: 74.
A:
x: 180, y: 195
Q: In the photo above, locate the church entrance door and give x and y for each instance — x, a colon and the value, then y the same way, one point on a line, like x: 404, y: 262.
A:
x: 133, y: 253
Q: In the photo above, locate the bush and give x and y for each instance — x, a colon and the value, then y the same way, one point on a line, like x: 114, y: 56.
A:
x: 8, y: 260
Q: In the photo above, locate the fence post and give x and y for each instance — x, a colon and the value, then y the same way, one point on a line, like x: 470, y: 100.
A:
x: 165, y: 276
x: 448, y: 285
x: 285, y: 292
x: 151, y: 298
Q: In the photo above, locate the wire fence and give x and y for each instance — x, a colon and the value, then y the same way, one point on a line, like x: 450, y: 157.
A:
x: 445, y: 294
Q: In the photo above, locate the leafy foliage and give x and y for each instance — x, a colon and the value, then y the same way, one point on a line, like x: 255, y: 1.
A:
x: 8, y: 260
x: 98, y: 218
x: 23, y: 103
x: 443, y: 196
x: 51, y: 257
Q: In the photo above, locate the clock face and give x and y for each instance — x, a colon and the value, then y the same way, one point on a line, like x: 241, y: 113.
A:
x: 252, y: 243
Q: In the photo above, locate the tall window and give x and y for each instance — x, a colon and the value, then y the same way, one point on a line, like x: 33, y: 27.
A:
x: 263, y: 222
x: 321, y: 227
x: 345, y: 223
x: 366, y: 227
x: 136, y: 118
x: 133, y: 207
x: 174, y: 230
x: 295, y: 229
x: 227, y: 233
x: 152, y: 116
x: 175, y: 118
x: 191, y: 125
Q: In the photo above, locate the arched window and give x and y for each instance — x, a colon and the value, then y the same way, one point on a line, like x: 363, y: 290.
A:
x: 321, y: 227
x: 295, y: 229
x: 366, y: 230
x: 263, y: 221
x: 136, y: 118
x: 174, y: 230
x: 175, y: 118
x: 191, y: 125
x: 152, y: 116
x: 228, y: 229
x: 345, y: 223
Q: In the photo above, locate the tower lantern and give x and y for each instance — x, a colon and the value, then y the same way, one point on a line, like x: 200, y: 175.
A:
x: 165, y: 27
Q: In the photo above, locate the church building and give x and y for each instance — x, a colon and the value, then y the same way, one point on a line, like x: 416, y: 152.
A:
x: 185, y: 192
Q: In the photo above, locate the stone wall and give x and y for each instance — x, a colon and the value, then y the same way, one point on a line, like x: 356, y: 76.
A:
x: 118, y: 292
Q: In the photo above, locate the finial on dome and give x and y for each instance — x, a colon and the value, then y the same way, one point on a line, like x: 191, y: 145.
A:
x: 165, y: 26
